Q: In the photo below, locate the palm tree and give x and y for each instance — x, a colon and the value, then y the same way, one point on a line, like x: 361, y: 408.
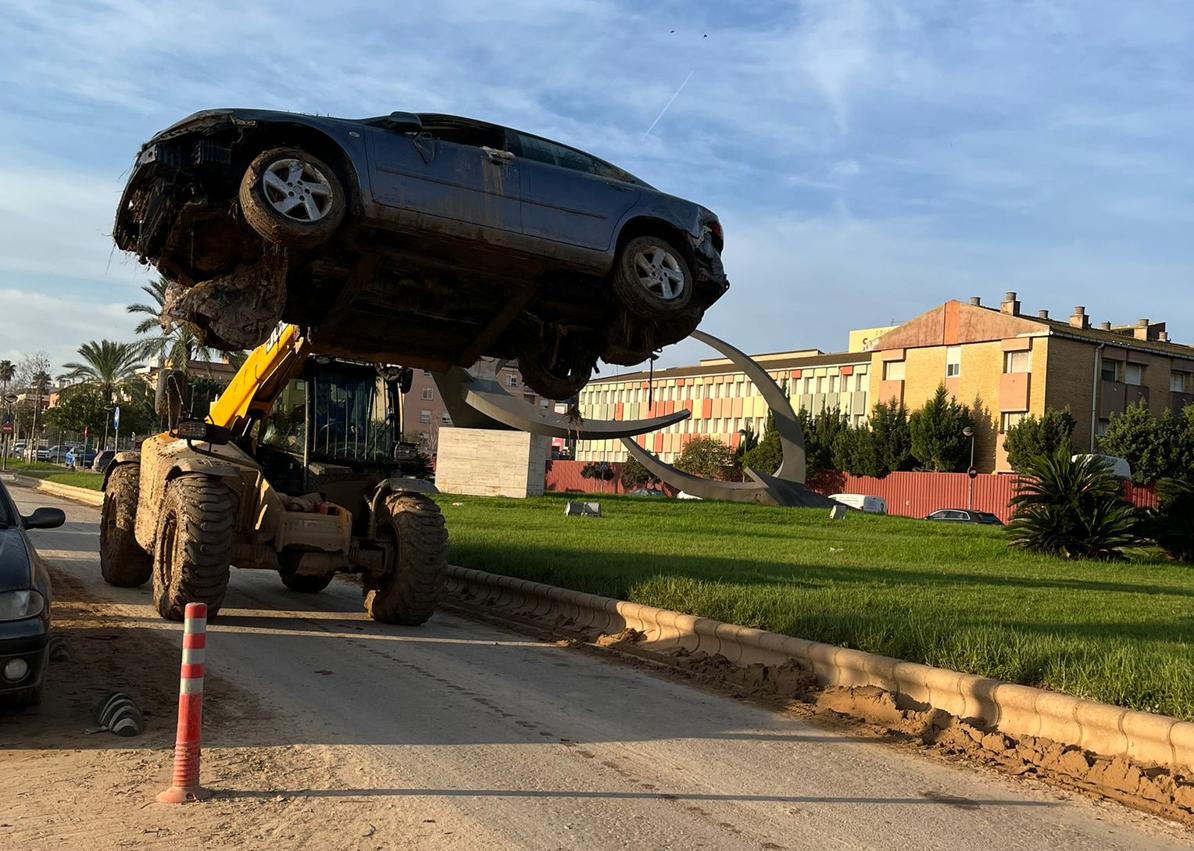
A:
x: 7, y: 372
x: 107, y: 366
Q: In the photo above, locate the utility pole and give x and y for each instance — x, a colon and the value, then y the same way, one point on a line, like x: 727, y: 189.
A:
x: 970, y: 471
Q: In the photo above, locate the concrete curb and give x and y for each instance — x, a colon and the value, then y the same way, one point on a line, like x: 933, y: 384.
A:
x: 84, y: 495
x: 1012, y: 709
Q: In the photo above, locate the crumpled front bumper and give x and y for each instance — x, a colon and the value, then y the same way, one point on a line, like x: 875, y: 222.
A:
x: 709, y: 274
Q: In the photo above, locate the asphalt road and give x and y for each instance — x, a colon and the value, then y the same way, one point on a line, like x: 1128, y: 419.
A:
x: 503, y: 741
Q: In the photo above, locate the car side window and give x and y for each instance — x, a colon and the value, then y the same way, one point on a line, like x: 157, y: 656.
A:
x: 464, y: 133
x: 543, y: 151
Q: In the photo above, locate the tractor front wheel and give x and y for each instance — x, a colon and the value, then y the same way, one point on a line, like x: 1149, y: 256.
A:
x: 410, y: 593
x: 193, y: 546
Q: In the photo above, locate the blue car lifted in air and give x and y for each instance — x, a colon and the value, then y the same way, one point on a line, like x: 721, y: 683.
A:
x: 424, y: 239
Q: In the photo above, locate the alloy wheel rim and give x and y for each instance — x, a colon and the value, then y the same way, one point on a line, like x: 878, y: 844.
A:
x: 660, y: 273
x: 297, y: 190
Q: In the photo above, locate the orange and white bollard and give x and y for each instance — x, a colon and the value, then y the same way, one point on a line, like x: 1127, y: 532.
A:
x: 190, y: 711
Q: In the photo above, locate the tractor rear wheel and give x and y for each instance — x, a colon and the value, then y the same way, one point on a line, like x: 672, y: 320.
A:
x: 193, y: 545
x: 122, y: 561
x: 409, y: 594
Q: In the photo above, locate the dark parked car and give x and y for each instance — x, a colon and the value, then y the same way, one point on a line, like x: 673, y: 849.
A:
x: 24, y: 603
x: 428, y: 240
x: 963, y: 515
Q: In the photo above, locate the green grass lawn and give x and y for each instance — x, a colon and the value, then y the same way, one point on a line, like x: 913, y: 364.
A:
x: 949, y: 595
x: 57, y: 473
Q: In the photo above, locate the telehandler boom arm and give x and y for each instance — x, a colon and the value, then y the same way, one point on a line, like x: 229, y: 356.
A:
x: 261, y: 378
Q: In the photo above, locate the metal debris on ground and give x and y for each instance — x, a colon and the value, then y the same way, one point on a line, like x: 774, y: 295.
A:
x: 582, y: 509
x: 118, y: 714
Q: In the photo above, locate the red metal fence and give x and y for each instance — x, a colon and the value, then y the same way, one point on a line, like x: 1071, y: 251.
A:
x: 906, y: 494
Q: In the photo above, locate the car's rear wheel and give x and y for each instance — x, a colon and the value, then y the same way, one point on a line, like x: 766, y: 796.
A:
x: 651, y: 278
x: 292, y: 198
x: 559, y: 370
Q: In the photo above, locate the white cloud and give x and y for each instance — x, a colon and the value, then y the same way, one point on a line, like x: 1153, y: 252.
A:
x: 34, y: 321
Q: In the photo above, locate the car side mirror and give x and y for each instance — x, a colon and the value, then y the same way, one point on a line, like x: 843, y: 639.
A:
x: 44, y: 518
x: 404, y: 122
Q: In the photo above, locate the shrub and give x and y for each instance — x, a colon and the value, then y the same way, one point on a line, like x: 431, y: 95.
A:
x: 937, y: 439
x: 1042, y: 435
x: 856, y: 452
x: 1071, y: 507
x: 1172, y: 524
x: 635, y: 475
x: 1156, y: 448
x: 708, y: 458
x: 766, y: 455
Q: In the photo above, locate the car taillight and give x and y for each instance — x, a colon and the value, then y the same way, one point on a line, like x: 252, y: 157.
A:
x: 718, y: 237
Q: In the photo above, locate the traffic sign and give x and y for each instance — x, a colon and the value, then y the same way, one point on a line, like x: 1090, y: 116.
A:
x: 116, y: 417
x: 972, y: 472
x: 6, y: 428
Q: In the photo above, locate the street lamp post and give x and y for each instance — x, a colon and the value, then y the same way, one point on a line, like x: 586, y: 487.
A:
x: 970, y: 471
x: 9, y: 399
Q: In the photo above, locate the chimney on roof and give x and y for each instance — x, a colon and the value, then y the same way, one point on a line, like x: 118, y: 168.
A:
x: 1106, y: 326
x: 1162, y: 336
x: 975, y: 301
x: 1010, y: 305
x: 1079, y: 319
x: 1042, y: 314
x: 1140, y: 332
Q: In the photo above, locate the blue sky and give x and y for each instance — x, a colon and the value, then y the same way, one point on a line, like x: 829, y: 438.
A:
x: 868, y: 160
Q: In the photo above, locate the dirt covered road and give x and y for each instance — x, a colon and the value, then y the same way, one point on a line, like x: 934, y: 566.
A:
x: 325, y: 730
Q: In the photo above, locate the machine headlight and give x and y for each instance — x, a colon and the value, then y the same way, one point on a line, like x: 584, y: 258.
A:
x: 15, y: 605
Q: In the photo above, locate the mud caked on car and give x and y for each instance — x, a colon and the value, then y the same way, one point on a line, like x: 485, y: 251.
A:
x: 434, y: 239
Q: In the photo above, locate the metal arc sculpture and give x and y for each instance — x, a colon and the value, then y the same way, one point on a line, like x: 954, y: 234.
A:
x: 783, y: 487
x: 476, y: 402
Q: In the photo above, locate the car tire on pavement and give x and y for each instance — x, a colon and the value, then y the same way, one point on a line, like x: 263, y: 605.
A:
x: 292, y: 198
x: 651, y: 278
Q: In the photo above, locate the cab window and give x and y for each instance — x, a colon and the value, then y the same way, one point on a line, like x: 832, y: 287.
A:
x: 286, y: 426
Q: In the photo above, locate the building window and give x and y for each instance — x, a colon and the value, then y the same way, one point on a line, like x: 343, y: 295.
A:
x: 833, y: 384
x: 428, y: 394
x: 424, y: 416
x: 893, y: 370
x: 821, y: 384
x: 1016, y: 362
x: 445, y: 418
x: 1181, y: 382
x: 1102, y: 427
x: 953, y: 361
x: 1010, y: 418
x: 511, y: 380
x: 1133, y: 374
x: 1110, y: 370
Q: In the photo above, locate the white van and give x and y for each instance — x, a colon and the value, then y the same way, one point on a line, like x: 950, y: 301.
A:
x: 859, y: 502
x: 1118, y: 467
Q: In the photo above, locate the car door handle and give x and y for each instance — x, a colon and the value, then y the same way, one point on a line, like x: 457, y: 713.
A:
x: 497, y: 156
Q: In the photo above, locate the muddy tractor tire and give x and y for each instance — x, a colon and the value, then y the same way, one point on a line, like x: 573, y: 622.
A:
x: 651, y: 278
x: 122, y: 561
x: 292, y: 198
x: 409, y: 595
x: 193, y: 546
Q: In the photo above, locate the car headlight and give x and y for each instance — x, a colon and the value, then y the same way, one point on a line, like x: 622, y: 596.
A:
x: 16, y: 605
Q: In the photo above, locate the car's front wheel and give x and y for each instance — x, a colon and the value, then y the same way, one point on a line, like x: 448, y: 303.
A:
x: 559, y: 371
x: 651, y: 278
x: 292, y: 198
